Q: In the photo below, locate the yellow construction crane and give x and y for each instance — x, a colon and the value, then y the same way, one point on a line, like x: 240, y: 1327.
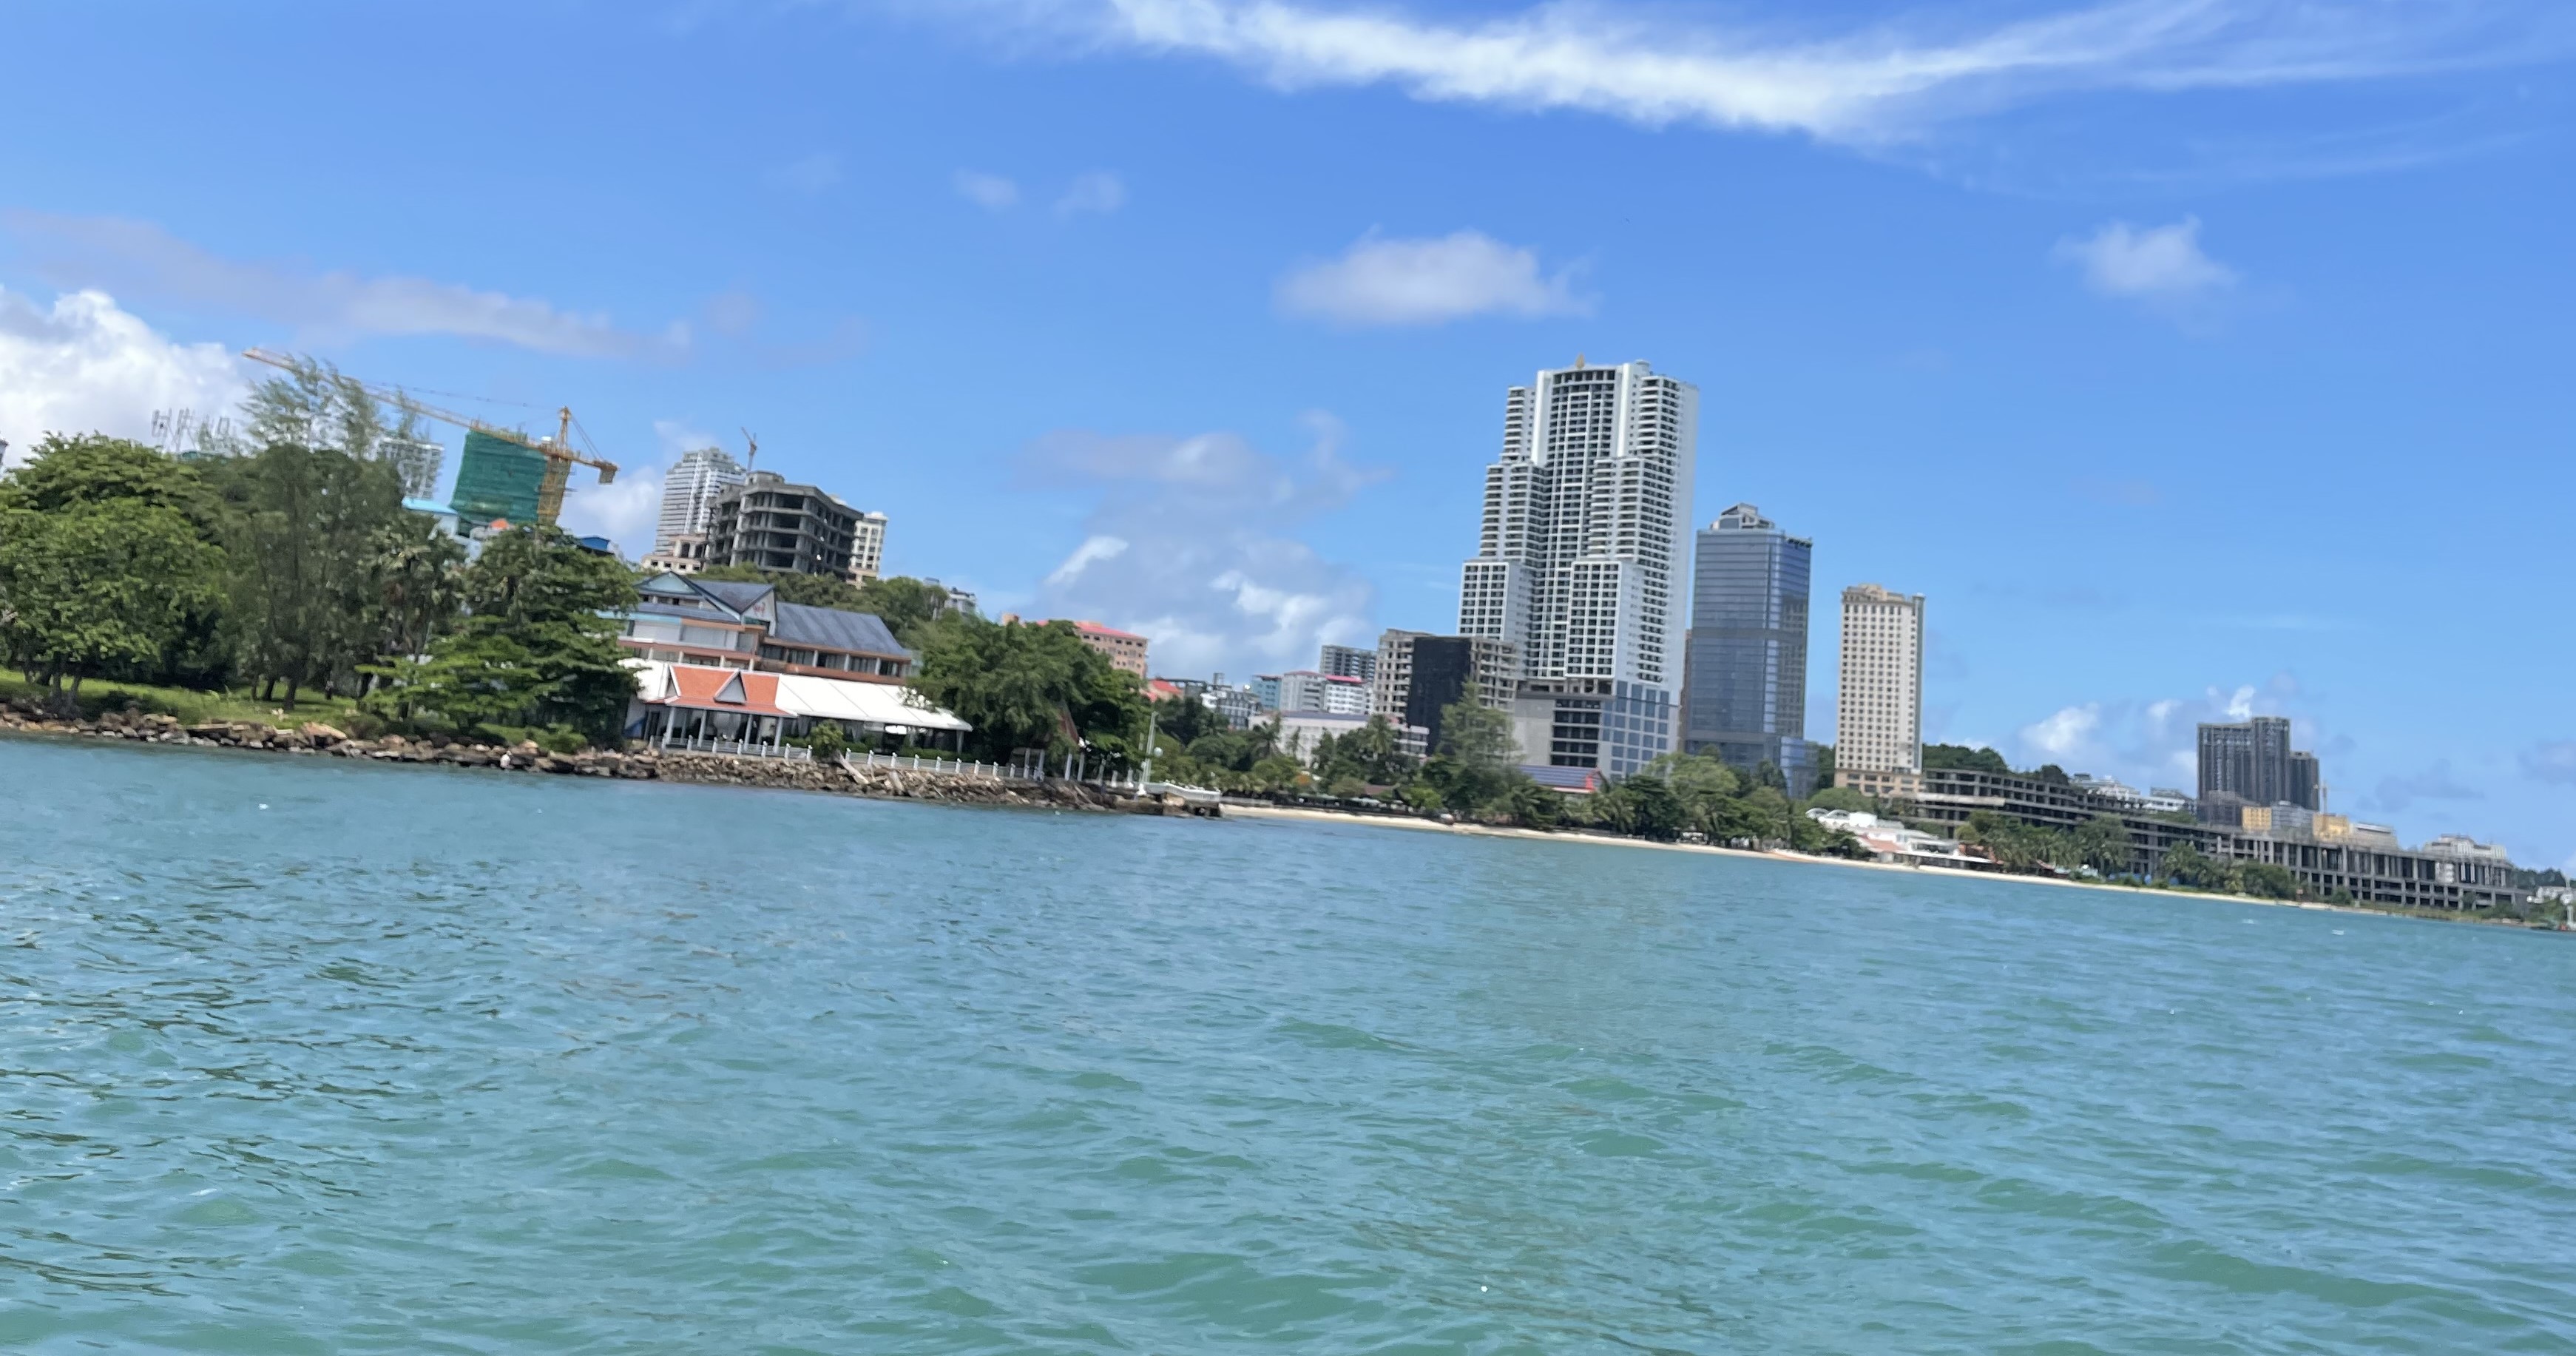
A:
x: 558, y: 451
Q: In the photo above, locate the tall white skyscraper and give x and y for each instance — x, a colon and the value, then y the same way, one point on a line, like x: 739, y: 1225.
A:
x: 690, y: 492
x: 1878, y: 708
x: 1584, y: 560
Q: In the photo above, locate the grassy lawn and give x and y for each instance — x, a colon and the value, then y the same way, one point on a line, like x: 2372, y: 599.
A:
x: 190, y: 707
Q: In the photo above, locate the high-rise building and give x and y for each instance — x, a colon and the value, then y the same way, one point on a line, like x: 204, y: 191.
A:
x: 1583, y: 557
x: 1744, y: 688
x: 769, y: 524
x: 1878, y: 707
x: 1349, y: 661
x: 2250, y: 762
x: 867, y: 547
x: 689, y: 495
x: 1420, y: 675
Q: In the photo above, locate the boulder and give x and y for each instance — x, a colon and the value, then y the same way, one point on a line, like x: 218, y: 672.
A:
x: 320, y: 735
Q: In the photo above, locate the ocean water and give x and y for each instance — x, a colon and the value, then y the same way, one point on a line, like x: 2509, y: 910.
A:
x: 304, y: 1057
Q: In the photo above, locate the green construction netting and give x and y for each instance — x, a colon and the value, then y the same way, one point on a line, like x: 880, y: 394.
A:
x: 497, y: 478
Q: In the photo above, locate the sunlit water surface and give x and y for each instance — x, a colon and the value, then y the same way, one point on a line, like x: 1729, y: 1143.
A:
x: 301, y: 1056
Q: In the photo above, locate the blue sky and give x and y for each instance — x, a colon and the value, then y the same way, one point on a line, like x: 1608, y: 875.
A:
x: 2190, y: 355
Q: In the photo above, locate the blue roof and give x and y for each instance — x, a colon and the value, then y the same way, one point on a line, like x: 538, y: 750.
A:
x: 833, y: 628
x: 740, y: 597
x: 431, y: 507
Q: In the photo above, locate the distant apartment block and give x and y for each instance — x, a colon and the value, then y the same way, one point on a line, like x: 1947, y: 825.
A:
x: 867, y: 547
x: 1265, y: 690
x: 683, y: 554
x: 1744, y: 686
x: 1348, y: 661
x: 1878, y: 707
x: 689, y: 495
x: 1125, y: 649
x: 1310, y: 690
x: 2251, y: 763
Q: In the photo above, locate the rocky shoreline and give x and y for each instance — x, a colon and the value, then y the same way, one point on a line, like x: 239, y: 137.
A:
x: 705, y: 769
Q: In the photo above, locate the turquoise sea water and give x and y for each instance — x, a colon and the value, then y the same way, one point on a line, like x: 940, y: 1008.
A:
x: 298, y: 1056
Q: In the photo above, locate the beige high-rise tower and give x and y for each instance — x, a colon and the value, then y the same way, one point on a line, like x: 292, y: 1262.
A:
x: 1878, y: 709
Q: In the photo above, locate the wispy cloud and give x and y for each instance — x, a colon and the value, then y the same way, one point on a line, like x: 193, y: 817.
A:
x: 1428, y: 282
x: 1659, y: 66
x: 1096, y: 194
x: 141, y: 257
x: 991, y: 192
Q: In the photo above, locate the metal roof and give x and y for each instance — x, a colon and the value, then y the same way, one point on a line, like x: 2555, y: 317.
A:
x: 835, y: 629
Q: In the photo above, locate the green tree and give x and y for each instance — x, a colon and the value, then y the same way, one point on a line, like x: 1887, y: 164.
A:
x: 65, y: 474
x: 1654, y: 811
x: 2185, y: 864
x: 1031, y: 687
x: 538, y: 648
x: 418, y: 571
x: 2103, y: 843
x: 305, y: 533
x: 2264, y: 880
x: 1370, y: 754
x: 1961, y: 758
x: 908, y: 607
x: 313, y: 405
x: 99, y: 587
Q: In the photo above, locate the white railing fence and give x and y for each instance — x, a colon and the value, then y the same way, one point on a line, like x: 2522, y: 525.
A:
x: 1074, y: 770
x: 734, y: 748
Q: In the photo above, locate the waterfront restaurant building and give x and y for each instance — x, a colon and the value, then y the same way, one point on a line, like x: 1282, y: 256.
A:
x: 684, y: 704
x: 683, y: 619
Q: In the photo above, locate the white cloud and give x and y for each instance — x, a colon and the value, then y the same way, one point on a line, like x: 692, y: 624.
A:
x: 1428, y: 282
x: 2064, y: 734
x: 1656, y: 66
x: 2147, y: 743
x: 1186, y: 544
x: 1097, y: 193
x: 2160, y: 263
x: 628, y: 513
x: 625, y: 512
x: 991, y: 192
x: 84, y: 365
x: 329, y: 305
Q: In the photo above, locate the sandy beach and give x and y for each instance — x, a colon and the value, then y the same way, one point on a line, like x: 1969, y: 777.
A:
x: 1237, y: 811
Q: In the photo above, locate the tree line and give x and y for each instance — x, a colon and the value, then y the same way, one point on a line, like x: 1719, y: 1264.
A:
x: 295, y: 572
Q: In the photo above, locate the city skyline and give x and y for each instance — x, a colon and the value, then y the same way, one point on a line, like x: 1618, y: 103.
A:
x: 2173, y: 321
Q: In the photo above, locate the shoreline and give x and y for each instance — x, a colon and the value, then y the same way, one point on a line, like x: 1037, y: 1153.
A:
x: 1284, y: 812
x: 935, y: 787
x: 927, y: 785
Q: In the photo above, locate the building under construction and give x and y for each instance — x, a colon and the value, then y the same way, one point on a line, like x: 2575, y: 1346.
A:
x: 498, y: 480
